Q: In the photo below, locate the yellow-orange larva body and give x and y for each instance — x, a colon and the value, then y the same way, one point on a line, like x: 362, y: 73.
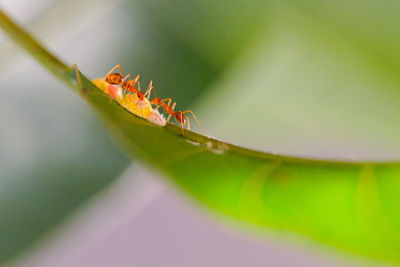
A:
x: 130, y: 101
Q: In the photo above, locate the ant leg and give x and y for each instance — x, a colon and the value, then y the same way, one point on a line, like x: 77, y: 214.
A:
x: 126, y: 77
x: 182, y: 124
x: 188, y: 127
x: 136, y: 79
x: 194, y: 116
x: 148, y: 91
x: 116, y: 66
x: 124, y: 83
x: 172, y: 108
x: 169, y: 101
x: 134, y: 82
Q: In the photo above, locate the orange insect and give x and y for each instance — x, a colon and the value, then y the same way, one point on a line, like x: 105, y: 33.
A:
x: 116, y: 81
x: 110, y: 83
x: 127, y: 85
x: 140, y: 94
x: 178, y: 115
x: 130, y: 84
x: 115, y: 78
x: 181, y: 118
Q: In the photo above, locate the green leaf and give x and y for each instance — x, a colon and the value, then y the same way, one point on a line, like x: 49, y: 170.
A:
x: 348, y: 205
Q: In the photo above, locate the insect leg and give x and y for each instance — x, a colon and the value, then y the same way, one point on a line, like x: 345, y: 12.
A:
x: 136, y: 79
x: 194, y: 116
x: 172, y: 108
x: 124, y: 83
x: 111, y: 71
x: 169, y: 101
x: 182, y: 124
x: 188, y: 121
x: 148, y: 91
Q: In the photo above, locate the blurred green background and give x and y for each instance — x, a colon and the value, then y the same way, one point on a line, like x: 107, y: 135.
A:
x: 308, y: 78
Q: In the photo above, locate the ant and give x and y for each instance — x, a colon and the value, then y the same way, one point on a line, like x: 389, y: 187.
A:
x: 127, y: 85
x: 178, y: 115
x: 115, y: 78
x: 112, y: 81
x: 144, y: 98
